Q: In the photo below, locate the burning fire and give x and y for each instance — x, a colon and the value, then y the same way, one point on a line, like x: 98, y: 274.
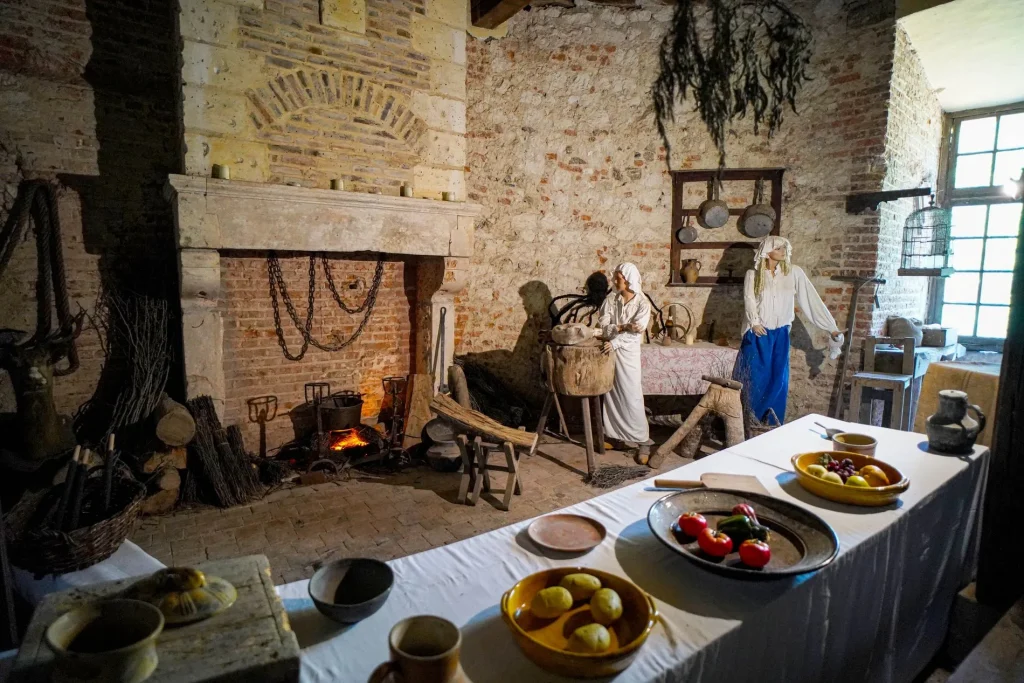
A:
x: 348, y: 438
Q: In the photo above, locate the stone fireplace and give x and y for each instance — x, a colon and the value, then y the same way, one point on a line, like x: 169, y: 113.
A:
x: 219, y: 222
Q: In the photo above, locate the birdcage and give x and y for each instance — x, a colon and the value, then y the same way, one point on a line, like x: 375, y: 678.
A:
x: 926, y: 243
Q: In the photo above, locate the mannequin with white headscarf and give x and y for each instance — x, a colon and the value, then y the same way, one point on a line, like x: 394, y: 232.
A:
x: 623, y: 318
x: 771, y: 293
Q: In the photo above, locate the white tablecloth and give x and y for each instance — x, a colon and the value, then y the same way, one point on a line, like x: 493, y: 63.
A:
x: 878, y: 613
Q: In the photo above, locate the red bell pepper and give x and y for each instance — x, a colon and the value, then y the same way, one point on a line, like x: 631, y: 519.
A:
x: 745, y: 509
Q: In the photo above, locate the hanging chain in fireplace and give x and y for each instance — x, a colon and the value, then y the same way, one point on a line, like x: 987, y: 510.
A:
x: 305, y: 327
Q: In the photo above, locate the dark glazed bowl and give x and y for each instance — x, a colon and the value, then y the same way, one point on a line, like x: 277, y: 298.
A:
x: 351, y: 589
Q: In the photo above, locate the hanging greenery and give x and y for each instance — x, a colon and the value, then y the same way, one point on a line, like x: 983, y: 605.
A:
x: 753, y: 60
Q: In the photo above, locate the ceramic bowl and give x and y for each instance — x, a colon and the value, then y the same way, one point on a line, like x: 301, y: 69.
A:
x: 544, y: 641
x: 113, y: 641
x: 351, y: 589
x: 875, y: 496
x: 854, y: 443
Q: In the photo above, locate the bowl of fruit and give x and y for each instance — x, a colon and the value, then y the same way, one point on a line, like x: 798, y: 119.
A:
x: 579, y: 622
x: 850, y: 478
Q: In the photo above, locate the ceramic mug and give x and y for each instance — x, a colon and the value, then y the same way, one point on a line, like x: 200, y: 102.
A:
x: 424, y: 649
x: 854, y: 443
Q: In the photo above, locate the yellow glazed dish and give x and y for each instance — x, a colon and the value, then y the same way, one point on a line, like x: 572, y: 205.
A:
x: 544, y: 641
x: 875, y: 496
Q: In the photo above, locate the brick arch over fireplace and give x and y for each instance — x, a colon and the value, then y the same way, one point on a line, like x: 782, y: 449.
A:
x: 367, y: 101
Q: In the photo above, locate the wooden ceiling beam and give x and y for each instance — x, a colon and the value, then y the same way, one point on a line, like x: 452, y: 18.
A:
x: 494, y: 13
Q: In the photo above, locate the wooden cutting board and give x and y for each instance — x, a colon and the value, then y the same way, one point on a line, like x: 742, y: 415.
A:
x: 713, y: 480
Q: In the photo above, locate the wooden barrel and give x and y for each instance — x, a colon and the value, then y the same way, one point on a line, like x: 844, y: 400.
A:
x: 579, y: 370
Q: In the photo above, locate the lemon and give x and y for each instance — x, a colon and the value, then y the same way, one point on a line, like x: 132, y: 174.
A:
x: 857, y: 481
x: 580, y: 586
x: 590, y: 638
x: 606, y: 606
x: 551, y: 603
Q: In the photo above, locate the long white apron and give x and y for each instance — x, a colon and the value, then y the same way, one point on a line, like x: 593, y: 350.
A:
x: 623, y: 413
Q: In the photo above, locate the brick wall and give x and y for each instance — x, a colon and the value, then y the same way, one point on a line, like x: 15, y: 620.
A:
x: 565, y: 157
x: 254, y: 364
x: 87, y: 99
x: 280, y: 93
x: 912, y: 140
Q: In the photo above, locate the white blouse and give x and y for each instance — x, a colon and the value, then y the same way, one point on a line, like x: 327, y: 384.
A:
x: 616, y: 311
x: 779, y: 295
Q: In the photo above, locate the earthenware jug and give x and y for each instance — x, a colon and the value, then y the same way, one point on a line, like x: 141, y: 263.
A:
x: 690, y: 270
x: 949, y: 429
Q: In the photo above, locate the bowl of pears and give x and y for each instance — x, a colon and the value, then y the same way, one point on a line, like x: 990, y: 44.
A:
x: 579, y: 622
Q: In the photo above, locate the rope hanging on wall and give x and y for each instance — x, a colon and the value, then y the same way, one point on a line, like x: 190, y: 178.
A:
x: 733, y: 57
x: 305, y: 327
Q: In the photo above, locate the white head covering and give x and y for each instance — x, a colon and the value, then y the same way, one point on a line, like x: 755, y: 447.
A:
x: 770, y: 244
x: 632, y: 275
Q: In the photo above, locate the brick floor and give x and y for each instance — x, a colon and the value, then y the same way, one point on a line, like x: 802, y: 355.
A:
x: 373, y: 516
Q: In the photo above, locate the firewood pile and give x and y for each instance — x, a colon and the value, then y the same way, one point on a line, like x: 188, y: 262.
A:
x: 220, y: 471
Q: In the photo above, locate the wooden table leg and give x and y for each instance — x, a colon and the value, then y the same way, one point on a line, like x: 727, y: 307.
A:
x: 588, y: 437
x: 896, y: 419
x: 598, y: 416
x: 512, y: 483
x: 467, y: 467
x: 479, y: 478
x: 543, y: 419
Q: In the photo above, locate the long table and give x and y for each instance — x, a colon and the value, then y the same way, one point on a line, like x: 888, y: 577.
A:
x: 877, y: 613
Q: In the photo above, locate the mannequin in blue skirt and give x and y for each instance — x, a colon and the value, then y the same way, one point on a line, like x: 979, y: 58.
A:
x: 771, y: 292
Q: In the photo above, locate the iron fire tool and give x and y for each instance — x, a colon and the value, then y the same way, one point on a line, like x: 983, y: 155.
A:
x: 396, y: 387
x: 65, y: 496
x: 439, y: 357
x: 315, y: 393
x: 262, y: 409
x: 857, y: 282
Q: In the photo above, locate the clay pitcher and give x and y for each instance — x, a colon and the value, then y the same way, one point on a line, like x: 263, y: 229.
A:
x: 690, y: 270
x: 949, y: 429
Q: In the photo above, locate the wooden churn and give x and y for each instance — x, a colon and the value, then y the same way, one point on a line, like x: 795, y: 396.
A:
x: 579, y: 369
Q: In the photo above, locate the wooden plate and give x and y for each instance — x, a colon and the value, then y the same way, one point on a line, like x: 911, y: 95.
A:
x: 567, y: 533
x: 801, y: 541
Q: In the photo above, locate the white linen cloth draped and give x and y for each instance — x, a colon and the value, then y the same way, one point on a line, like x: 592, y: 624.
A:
x: 623, y: 407
x: 877, y: 613
x: 780, y: 294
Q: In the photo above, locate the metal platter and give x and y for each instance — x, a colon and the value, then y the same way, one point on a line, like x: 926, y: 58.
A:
x: 801, y: 541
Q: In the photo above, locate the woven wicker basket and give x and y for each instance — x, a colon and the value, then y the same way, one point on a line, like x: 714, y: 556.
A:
x: 45, y: 551
x: 756, y: 428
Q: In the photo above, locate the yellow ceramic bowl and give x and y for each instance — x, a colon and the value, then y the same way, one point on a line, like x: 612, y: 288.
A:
x: 854, y: 443
x: 544, y: 641
x: 875, y: 496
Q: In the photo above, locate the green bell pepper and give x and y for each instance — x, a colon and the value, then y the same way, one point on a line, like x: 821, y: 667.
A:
x: 740, y: 528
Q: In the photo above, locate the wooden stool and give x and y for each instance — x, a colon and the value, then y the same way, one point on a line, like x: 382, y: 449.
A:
x: 723, y: 399
x: 901, y: 385
x: 593, y: 424
x: 475, y: 470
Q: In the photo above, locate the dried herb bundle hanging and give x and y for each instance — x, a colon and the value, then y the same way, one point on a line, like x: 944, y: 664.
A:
x: 754, y: 60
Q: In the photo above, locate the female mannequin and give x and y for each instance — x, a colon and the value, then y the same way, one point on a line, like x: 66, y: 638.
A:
x: 771, y: 291
x: 624, y: 317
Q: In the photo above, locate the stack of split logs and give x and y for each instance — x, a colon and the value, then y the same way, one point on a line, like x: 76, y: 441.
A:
x: 163, y: 468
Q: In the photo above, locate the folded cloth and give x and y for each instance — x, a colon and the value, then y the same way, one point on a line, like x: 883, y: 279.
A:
x: 835, y: 346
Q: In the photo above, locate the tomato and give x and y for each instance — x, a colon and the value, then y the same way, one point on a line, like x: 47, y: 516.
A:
x: 755, y: 553
x: 692, y: 523
x: 745, y: 509
x: 714, y: 543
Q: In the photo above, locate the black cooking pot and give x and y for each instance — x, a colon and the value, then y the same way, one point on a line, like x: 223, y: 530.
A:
x: 342, y: 410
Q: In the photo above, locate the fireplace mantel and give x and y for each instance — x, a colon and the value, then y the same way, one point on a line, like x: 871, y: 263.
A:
x: 214, y: 216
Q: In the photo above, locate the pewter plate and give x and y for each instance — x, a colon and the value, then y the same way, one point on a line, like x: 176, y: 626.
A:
x: 801, y: 541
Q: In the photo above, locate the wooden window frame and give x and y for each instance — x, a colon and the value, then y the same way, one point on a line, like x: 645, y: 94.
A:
x: 949, y: 197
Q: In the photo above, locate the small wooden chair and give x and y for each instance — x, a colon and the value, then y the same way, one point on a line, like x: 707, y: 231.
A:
x: 475, y: 470
x: 901, y: 385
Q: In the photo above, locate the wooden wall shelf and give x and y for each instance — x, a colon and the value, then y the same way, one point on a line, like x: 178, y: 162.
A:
x: 679, y: 181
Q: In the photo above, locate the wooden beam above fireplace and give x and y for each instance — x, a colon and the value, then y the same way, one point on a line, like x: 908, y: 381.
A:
x: 494, y: 13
